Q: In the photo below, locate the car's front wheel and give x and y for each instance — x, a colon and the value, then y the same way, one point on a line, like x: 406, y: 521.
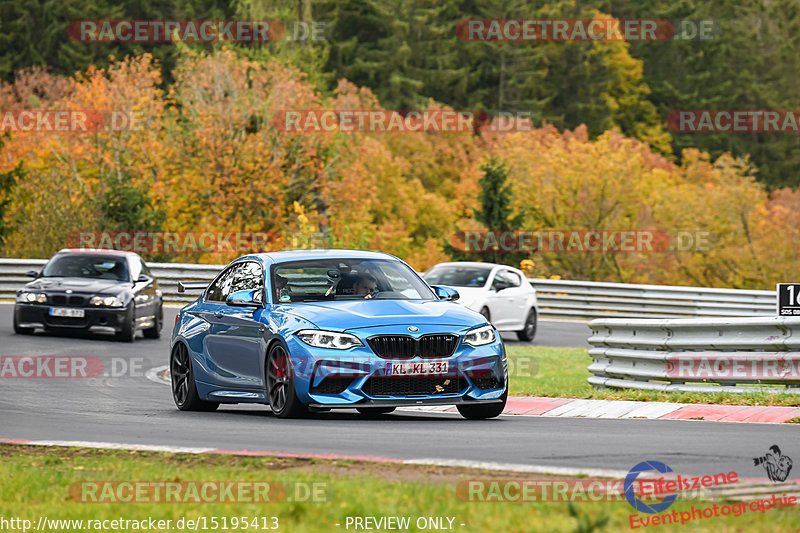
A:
x: 528, y: 331
x: 155, y: 331
x: 280, y: 385
x: 128, y: 331
x: 483, y: 411
x: 184, y: 389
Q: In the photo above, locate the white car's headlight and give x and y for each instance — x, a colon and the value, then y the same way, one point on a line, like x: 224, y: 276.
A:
x: 107, y: 301
x: 32, y: 297
x: 480, y: 336
x: 328, y: 339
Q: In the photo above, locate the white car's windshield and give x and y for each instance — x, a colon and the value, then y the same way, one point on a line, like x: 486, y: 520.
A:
x: 346, y: 279
x: 87, y: 266
x: 458, y: 276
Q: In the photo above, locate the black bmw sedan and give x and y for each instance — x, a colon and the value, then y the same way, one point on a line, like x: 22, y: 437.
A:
x: 106, y: 291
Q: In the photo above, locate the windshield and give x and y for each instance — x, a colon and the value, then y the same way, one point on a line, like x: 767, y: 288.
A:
x: 346, y: 279
x: 458, y: 276
x: 87, y: 266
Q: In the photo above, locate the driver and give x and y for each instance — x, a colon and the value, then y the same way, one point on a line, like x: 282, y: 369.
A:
x: 365, y: 284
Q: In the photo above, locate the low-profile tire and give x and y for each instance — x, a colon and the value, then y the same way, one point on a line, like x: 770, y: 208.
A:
x: 483, y: 411
x: 155, y: 331
x: 374, y: 411
x: 184, y: 389
x: 128, y: 332
x: 528, y: 332
x: 280, y: 385
x: 20, y: 330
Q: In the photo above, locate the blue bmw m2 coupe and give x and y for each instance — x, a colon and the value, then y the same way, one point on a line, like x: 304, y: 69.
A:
x: 317, y: 330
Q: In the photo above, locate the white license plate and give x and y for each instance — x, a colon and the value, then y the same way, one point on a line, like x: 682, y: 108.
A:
x: 67, y: 312
x: 420, y: 368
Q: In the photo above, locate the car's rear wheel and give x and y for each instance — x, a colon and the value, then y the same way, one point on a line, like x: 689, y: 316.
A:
x: 19, y: 330
x: 280, y: 385
x: 374, y: 411
x: 128, y: 332
x: 483, y: 411
x: 184, y: 389
x: 155, y: 331
x: 528, y: 332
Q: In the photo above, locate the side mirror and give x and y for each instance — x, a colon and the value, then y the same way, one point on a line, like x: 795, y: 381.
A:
x: 445, y: 293
x: 32, y: 273
x: 245, y: 298
x: 142, y: 279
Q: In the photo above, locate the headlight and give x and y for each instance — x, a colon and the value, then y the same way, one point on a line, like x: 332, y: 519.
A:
x: 32, y: 297
x: 107, y: 301
x: 328, y: 339
x: 480, y: 336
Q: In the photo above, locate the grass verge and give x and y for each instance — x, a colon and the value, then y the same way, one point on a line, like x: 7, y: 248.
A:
x: 37, y: 481
x: 561, y: 372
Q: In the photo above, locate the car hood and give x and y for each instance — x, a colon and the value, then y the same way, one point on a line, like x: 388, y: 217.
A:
x: 345, y: 315
x: 82, y: 285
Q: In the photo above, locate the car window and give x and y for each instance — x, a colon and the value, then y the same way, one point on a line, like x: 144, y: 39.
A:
x: 218, y: 291
x: 458, y: 276
x: 346, y: 279
x: 502, y: 280
x: 249, y: 276
x: 136, y: 268
x: 145, y: 268
x: 513, y: 278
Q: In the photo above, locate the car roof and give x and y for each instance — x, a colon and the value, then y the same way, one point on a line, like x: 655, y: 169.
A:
x: 471, y: 264
x: 284, y: 256
x: 101, y: 251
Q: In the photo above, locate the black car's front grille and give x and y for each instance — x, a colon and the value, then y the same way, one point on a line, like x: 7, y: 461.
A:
x: 418, y: 386
x: 406, y: 347
x: 332, y: 385
x: 61, y: 299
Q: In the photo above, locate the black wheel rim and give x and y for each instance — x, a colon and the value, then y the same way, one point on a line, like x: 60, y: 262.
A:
x: 180, y: 374
x: 278, y: 378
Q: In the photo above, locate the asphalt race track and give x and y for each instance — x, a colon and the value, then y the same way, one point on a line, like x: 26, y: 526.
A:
x: 133, y: 409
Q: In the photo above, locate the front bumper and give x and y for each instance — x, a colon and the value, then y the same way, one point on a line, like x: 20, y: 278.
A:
x: 108, y: 320
x: 327, y: 378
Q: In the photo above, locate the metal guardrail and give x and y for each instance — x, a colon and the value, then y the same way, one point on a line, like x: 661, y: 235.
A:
x: 557, y: 298
x: 592, y: 299
x: 696, y: 355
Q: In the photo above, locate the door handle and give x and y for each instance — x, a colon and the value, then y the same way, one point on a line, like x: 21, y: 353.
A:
x: 219, y: 314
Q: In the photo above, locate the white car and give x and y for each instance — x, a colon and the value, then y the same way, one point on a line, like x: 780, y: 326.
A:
x: 500, y: 293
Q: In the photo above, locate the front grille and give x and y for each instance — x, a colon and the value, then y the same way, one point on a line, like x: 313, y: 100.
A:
x: 420, y: 386
x: 332, y: 385
x: 61, y: 299
x: 407, y: 347
x: 65, y: 321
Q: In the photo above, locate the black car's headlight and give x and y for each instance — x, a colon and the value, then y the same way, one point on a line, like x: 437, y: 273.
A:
x: 105, y: 301
x: 328, y: 339
x: 32, y: 297
x: 480, y: 336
